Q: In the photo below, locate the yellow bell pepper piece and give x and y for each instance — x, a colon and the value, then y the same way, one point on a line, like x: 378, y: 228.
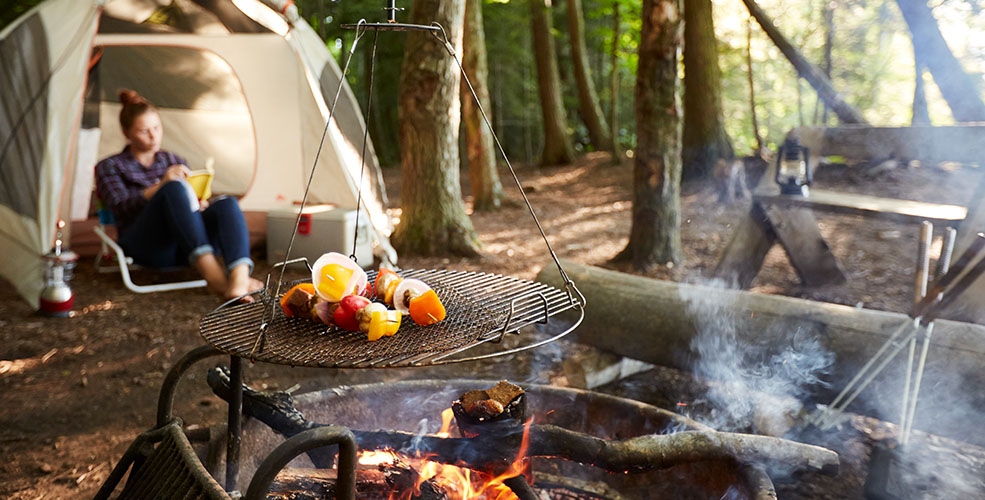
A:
x: 383, y: 323
x: 334, y: 282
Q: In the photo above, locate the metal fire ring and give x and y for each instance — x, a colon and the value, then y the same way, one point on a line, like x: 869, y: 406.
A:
x: 481, y: 308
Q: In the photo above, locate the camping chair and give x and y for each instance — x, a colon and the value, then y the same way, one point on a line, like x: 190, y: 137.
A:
x: 106, y: 219
x: 163, y: 464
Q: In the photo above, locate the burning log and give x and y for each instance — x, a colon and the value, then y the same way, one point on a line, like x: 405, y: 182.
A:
x: 504, y: 404
x: 496, y: 450
x: 383, y: 482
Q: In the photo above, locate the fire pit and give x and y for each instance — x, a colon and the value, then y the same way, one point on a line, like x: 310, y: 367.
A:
x: 415, y: 407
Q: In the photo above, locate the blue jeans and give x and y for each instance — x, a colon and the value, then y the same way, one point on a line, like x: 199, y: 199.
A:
x: 168, y: 234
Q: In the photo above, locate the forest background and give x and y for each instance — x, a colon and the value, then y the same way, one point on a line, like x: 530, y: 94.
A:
x: 872, y: 65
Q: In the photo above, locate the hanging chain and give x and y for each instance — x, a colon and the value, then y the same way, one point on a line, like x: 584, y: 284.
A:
x: 331, y: 112
x: 569, y: 285
x: 362, y: 164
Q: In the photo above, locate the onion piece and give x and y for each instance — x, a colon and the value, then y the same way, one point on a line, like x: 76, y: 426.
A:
x: 400, y: 300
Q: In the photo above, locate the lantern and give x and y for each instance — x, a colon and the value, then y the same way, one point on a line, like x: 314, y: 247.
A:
x: 56, y: 297
x: 793, y: 170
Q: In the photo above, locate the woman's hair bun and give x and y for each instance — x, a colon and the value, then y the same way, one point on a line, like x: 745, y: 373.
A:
x: 128, y: 96
x: 134, y: 105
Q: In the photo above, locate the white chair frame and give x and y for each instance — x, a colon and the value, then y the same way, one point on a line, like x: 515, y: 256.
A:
x: 125, y: 263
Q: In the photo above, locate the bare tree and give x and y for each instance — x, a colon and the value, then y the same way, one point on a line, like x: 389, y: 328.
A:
x: 487, y: 190
x: 588, y: 100
x: 705, y: 140
x: 959, y: 89
x: 433, y: 219
x: 655, y: 237
x: 557, y: 142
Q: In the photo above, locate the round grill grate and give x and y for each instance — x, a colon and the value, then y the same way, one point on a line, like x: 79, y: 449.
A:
x: 480, y: 308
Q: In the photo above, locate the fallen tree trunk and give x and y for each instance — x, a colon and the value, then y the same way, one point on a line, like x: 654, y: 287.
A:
x: 657, y: 322
x: 825, y: 90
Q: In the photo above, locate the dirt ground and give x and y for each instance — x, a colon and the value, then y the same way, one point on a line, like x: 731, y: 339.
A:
x: 75, y: 392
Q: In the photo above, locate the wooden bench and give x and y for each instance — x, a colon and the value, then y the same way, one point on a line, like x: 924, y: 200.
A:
x: 870, y: 206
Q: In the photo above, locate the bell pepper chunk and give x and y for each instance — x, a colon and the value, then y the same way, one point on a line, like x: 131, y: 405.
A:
x: 383, y: 324
x: 334, y: 282
x: 427, y: 309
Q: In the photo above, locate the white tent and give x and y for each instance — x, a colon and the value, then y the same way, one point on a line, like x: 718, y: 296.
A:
x: 245, y: 82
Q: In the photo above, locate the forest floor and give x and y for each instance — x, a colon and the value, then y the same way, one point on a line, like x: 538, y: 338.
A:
x: 75, y: 392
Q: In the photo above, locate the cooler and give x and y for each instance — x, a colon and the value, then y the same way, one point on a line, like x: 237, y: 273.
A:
x: 323, y: 228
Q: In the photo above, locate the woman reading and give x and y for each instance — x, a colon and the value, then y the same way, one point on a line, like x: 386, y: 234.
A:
x: 144, y: 187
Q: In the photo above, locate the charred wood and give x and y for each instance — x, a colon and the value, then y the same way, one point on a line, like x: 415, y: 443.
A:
x: 382, y: 482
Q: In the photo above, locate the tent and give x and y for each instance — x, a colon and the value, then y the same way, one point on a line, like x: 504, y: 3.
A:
x: 246, y: 82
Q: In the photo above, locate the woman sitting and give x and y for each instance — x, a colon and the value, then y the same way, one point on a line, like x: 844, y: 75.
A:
x: 145, y: 189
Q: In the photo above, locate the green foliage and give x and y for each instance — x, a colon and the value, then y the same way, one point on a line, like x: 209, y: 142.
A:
x: 15, y: 9
x: 872, y: 64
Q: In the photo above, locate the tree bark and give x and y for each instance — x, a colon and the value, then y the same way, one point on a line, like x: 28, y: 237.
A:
x: 958, y: 88
x: 617, y: 155
x: 588, y: 100
x: 752, y: 90
x: 704, y: 141
x: 557, y: 144
x: 487, y: 190
x: 655, y: 236
x: 845, y: 112
x: 433, y: 220
x: 921, y: 115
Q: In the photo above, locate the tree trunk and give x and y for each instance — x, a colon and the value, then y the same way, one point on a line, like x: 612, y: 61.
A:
x: 557, y: 143
x: 617, y: 155
x: 921, y: 115
x: 845, y: 112
x: 752, y: 90
x: 655, y: 236
x: 705, y: 140
x: 959, y: 90
x: 433, y: 220
x: 829, y: 42
x: 487, y: 191
x: 588, y: 100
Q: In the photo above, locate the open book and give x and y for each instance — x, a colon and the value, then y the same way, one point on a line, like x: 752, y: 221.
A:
x: 199, y: 184
x: 201, y: 180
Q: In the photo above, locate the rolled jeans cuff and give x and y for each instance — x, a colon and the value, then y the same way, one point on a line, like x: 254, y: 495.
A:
x: 242, y: 260
x: 198, y: 252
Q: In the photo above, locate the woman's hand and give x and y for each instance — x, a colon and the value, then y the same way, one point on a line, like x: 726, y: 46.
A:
x: 173, y: 173
x: 176, y: 172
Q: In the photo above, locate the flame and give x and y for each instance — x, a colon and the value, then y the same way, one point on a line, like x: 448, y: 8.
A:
x: 377, y: 458
x: 459, y: 483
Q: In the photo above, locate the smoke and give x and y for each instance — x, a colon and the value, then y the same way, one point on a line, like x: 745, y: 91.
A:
x: 750, y: 385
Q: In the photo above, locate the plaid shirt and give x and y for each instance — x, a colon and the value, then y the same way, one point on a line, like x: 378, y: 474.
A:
x: 121, y: 180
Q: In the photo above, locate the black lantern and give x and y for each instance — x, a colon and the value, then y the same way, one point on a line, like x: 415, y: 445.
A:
x: 793, y: 169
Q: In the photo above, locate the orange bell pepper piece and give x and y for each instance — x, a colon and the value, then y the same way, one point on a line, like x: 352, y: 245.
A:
x: 427, y: 309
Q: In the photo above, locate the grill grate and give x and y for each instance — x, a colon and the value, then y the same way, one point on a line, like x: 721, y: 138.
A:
x: 481, y: 308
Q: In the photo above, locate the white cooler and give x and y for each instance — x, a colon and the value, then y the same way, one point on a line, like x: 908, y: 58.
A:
x: 322, y: 229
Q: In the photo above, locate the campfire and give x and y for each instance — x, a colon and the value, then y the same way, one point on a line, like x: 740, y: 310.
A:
x: 505, y: 442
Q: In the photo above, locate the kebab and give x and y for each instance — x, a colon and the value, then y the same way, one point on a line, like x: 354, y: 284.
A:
x: 409, y: 296
x: 331, y: 299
